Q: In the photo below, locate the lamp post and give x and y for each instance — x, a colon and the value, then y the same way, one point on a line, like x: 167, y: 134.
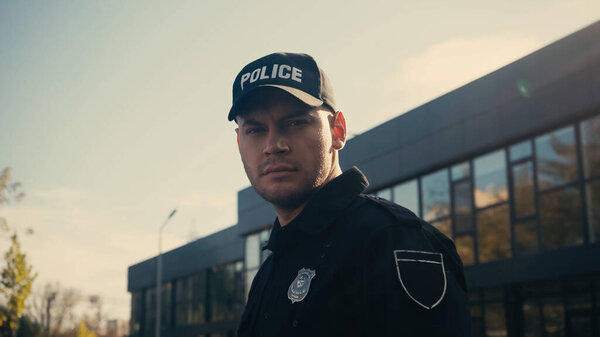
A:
x: 159, y: 272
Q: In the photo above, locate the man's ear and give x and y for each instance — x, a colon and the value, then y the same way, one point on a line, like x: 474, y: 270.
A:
x: 237, y: 134
x: 339, y: 130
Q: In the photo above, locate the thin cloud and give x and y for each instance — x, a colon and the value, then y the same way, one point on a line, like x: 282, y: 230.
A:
x: 450, y: 64
x: 60, y: 194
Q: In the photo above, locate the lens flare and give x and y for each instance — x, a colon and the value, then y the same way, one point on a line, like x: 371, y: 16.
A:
x: 524, y: 88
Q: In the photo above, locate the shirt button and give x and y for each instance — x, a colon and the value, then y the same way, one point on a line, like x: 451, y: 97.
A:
x: 295, y: 323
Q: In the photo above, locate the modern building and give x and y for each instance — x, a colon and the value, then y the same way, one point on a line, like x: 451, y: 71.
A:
x: 116, y: 328
x: 508, y: 166
x: 202, y: 292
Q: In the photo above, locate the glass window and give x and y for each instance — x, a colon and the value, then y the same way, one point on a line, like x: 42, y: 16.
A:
x: 252, y: 251
x: 579, y: 294
x: 495, y: 324
x: 136, y: 312
x: 520, y: 151
x: 493, y: 233
x: 226, y: 291
x: 465, y: 249
x: 476, y: 313
x: 526, y: 239
x: 264, y: 238
x: 580, y: 325
x: 250, y: 274
x: 198, y: 298
x: 150, y: 316
x: 556, y: 159
x: 255, y: 256
x: 230, y: 333
x: 561, y: 222
x: 406, y: 194
x: 460, y: 171
x: 590, y: 134
x: 385, y: 193
x: 554, y: 317
x: 183, y: 296
x: 495, y: 318
x: 592, y: 190
x: 436, y: 195
x: 462, y: 206
x: 444, y: 226
x: 165, y: 305
x: 522, y: 175
x: 531, y: 318
x: 490, y: 179
x: 475, y: 303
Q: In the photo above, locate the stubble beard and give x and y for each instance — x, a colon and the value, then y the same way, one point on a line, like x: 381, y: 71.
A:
x: 293, y: 198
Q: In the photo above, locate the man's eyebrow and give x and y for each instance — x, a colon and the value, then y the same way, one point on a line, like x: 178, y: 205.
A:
x: 293, y: 114
x: 298, y: 113
x: 250, y: 121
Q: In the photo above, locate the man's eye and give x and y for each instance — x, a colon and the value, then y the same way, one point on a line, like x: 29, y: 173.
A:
x: 297, y: 122
x: 253, y: 131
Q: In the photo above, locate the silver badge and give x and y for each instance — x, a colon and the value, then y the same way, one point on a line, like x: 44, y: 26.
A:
x: 299, y: 287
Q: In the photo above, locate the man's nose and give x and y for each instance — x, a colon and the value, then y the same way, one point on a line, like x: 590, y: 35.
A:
x: 277, y: 143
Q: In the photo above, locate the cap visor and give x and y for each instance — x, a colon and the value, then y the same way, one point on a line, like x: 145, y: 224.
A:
x: 299, y: 94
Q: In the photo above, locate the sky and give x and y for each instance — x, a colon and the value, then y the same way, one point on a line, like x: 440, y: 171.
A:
x: 113, y: 113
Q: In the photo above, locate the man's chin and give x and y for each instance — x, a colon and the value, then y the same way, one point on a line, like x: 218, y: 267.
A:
x: 284, y: 198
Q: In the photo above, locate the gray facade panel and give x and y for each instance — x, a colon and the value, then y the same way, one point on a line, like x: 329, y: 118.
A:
x: 548, y: 265
x: 254, y: 213
x: 256, y: 218
x: 247, y: 199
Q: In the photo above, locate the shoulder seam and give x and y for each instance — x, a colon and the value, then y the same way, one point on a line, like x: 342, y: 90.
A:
x: 386, y: 205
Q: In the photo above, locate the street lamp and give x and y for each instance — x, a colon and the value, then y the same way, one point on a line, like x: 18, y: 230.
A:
x: 159, y: 272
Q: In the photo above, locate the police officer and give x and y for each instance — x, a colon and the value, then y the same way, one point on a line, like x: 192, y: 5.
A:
x: 343, y: 263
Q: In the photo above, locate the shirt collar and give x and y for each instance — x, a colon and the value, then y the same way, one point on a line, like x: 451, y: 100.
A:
x: 323, y: 208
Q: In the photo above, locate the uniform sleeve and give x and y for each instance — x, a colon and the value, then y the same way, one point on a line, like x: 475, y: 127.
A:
x: 411, y: 285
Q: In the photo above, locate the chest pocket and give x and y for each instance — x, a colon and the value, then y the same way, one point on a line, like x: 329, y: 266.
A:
x: 329, y: 300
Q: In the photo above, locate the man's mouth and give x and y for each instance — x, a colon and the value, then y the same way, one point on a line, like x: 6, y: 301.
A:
x: 278, y: 170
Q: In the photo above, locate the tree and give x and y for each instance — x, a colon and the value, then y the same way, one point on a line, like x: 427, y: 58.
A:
x: 16, y: 278
x: 15, y: 283
x: 9, y: 191
x: 59, y: 310
x: 83, y: 331
x: 94, y: 317
x: 28, y: 327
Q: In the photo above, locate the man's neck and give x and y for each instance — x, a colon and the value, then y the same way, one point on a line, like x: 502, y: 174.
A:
x: 285, y: 216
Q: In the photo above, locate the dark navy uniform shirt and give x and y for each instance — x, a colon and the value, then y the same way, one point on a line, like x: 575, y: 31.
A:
x: 356, y: 265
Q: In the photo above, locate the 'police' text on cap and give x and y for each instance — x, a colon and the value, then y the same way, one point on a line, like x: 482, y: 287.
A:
x: 298, y: 74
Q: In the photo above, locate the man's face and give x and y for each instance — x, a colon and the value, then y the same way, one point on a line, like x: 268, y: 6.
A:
x: 287, y: 148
